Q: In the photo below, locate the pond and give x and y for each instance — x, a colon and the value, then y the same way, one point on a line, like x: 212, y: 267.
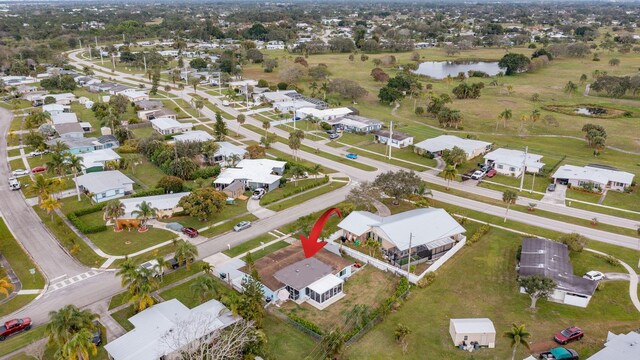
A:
x: 590, y: 111
x: 441, y: 69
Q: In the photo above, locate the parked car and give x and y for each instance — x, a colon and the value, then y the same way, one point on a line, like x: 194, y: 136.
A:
x: 97, y: 333
x: 594, y: 275
x: 14, y: 326
x: 333, y: 136
x: 14, y: 184
x: 154, y: 267
x: 560, y: 353
x: 174, y: 263
x: 242, y: 225
x: 352, y: 156
x: 225, y: 102
x: 38, y: 169
x: 19, y: 172
x: 477, y: 175
x: 190, y: 232
x: 485, y: 168
x: 37, y: 153
x: 491, y: 173
x: 551, y: 188
x: 569, y: 334
x: 258, y: 193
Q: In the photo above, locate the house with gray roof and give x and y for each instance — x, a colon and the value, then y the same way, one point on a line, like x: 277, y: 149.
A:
x: 105, y: 185
x: 355, y: 123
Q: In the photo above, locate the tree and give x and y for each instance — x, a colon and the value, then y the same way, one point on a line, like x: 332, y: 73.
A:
x: 198, y: 63
x: 6, y: 287
x: 535, y: 116
x: 449, y: 173
x: 363, y: 195
x: 170, y: 184
x: 50, y: 204
x: 80, y: 346
x: 372, y: 245
x: 333, y: 343
x: 209, y: 149
x: 182, y: 167
x: 144, y: 211
x: 505, y: 115
x: 75, y: 163
x: 514, y: 63
x: 255, y: 56
x: 319, y: 72
x: 358, y: 315
x: 266, y: 124
x: 537, y: 286
x: 379, y: 75
x: 398, y: 185
x: 574, y: 241
x: 614, y: 62
x: 596, y: 136
x: 518, y: 336
x: 36, y: 118
x: 220, y: 127
x: 65, y: 324
x: 389, y: 94
x: 203, y: 203
x: 255, y: 151
x: 206, y: 268
x: 269, y: 65
x: 324, y: 88
x: 455, y: 156
x: 466, y: 91
x: 294, y: 143
x: 204, y: 287
x: 194, y: 81
x: 400, y: 334
x: 199, y: 104
x: 570, y: 88
x: 45, y: 186
x: 292, y: 73
x: 119, y: 103
x: 296, y: 173
x: 251, y: 305
x: 348, y: 89
x: 509, y: 197
x: 113, y: 210
x: 241, y: 118
x: 583, y: 78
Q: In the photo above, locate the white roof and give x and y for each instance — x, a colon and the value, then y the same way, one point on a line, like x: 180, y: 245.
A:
x: 514, y: 158
x: 325, y: 284
x: 160, y: 202
x: 321, y: 114
x: 195, y: 136
x: 448, y: 142
x: 134, y: 94
x: 278, y: 95
x: 98, y: 182
x: 295, y: 104
x: 62, y: 96
x: 425, y: 225
x: 252, y: 170
x: 617, y: 347
x: 53, y: 107
x: 164, y: 123
x: 240, y: 83
x: 594, y: 174
x: 85, y: 124
x: 473, y: 326
x: 98, y: 157
x: 64, y: 118
x: 228, y: 149
x: 151, y: 338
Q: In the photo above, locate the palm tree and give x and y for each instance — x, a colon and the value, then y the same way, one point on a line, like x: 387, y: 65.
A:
x: 6, y: 287
x: 74, y: 163
x: 141, y: 290
x: 241, y: 118
x: 204, y: 287
x: 199, y: 104
x: 209, y: 149
x: 44, y: 186
x: 333, y: 343
x: 186, y: 252
x: 509, y: 197
x: 233, y: 302
x: 113, y: 210
x: 296, y: 173
x: 65, y: 323
x: 518, y: 336
x: 80, y: 346
x: 59, y: 147
x: 162, y: 264
x: 206, y: 268
x: 50, y: 205
x: 535, y: 116
x: 294, y: 143
x: 373, y: 245
x: 449, y: 173
x: 359, y: 314
x: 127, y: 270
x: 504, y: 116
x: 57, y: 164
x: 324, y: 88
x: 313, y: 87
x: 144, y: 211
x: 266, y: 124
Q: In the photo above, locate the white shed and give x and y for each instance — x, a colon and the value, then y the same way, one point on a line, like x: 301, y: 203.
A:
x: 480, y: 330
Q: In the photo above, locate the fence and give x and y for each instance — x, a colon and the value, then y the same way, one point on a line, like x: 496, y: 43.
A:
x: 139, y: 125
x: 285, y: 318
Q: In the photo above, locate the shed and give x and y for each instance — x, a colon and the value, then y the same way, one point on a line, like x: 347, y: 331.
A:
x: 480, y: 330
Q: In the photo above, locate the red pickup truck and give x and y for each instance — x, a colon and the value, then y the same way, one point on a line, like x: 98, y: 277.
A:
x: 14, y: 326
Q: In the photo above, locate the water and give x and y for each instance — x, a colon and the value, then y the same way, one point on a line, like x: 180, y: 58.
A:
x: 441, y: 69
x: 590, y: 111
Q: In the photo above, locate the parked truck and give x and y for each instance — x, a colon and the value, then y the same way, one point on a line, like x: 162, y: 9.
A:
x: 14, y: 326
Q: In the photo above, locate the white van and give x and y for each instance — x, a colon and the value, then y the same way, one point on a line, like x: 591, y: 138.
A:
x: 154, y: 267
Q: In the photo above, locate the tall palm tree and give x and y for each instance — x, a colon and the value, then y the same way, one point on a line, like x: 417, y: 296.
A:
x: 65, y: 323
x: 240, y: 119
x: 333, y: 343
x: 57, y: 164
x: 296, y: 173
x: 50, y: 205
x: 75, y: 164
x: 186, y: 252
x: 509, y: 197
x: 206, y: 268
x: 324, y: 88
x: 266, y: 124
x: 518, y: 336
x: 162, y: 264
x: 294, y: 143
x: 535, y: 116
x: 127, y: 271
x: 313, y: 87
x: 6, y: 287
x: 144, y: 211
x: 79, y: 346
x: 505, y: 115
x: 59, y: 147
x: 113, y: 210
x: 44, y: 186
x: 233, y: 302
x: 449, y: 173
x: 204, y: 287
x: 358, y: 315
x: 141, y: 290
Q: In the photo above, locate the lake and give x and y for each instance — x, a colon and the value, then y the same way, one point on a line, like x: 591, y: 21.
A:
x: 441, y: 69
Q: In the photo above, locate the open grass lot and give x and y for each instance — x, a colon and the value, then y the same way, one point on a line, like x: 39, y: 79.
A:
x: 144, y: 172
x: 480, y: 282
x: 308, y: 195
x: 16, y: 303
x: 230, y: 211
x: 143, y: 132
x: 368, y: 286
x: 128, y: 242
x: 287, y: 157
x: 23, y: 339
x: 122, y: 317
x: 285, y: 341
x: 19, y: 260
x: 290, y: 188
x: 249, y: 245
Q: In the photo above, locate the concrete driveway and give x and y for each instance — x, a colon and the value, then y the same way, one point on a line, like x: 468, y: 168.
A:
x: 556, y: 197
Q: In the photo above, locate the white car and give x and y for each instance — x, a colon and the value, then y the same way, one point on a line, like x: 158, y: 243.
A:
x: 225, y: 102
x: 242, y: 225
x: 154, y: 267
x: 14, y: 184
x: 258, y: 193
x: 477, y: 175
x: 594, y: 275
x: 19, y: 172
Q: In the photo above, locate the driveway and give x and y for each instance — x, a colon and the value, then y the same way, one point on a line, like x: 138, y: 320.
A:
x: 253, y: 206
x: 556, y: 197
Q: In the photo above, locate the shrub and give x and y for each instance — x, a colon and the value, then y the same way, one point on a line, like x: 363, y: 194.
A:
x: 478, y: 234
x: 84, y: 228
x: 309, y: 325
x: 90, y: 210
x: 574, y: 241
x: 427, y: 280
x: 206, y: 172
x: 609, y: 259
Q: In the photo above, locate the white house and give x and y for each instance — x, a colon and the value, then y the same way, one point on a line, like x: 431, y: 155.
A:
x: 325, y: 114
x: 69, y: 130
x: 479, y: 330
x: 105, y: 185
x: 396, y: 139
x: 618, y: 347
x: 513, y: 162
x: 254, y: 173
x: 600, y: 177
x: 54, y: 109
x: 292, y: 105
x: 429, y: 233
x: 275, y: 45
x: 62, y: 99
x: 135, y: 95
x: 163, y: 329
x: 96, y: 160
x: 165, y: 204
x: 440, y: 143
x: 275, y: 96
x: 64, y: 118
x: 168, y: 126
x: 226, y: 151
x: 193, y: 136
x: 551, y: 259
x: 356, y: 124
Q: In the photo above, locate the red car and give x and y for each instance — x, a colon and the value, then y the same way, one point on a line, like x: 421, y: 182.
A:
x: 491, y: 173
x: 568, y: 334
x: 190, y: 232
x: 38, y: 169
x: 14, y: 326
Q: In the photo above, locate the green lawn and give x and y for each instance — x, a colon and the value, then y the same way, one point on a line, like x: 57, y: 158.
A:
x: 144, y: 173
x: 143, y: 132
x: 13, y: 152
x: 127, y: 242
x: 287, y: 157
x: 16, y: 164
x: 19, y: 341
x: 291, y: 188
x: 268, y: 250
x: 119, y: 299
x: 301, y: 198
x: 286, y: 342
x: 247, y: 246
x: 184, y: 294
x: 20, y: 262
x: 122, y: 317
x: 229, y: 212
x: 228, y: 226
x: 16, y: 303
x: 630, y: 201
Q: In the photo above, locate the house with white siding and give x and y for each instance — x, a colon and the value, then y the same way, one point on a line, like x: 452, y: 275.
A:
x: 438, y: 144
x: 599, y: 176
x: 105, y: 186
x: 513, y: 162
x: 168, y: 126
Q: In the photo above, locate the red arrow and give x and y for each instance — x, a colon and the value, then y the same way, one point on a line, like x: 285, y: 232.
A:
x: 311, y: 245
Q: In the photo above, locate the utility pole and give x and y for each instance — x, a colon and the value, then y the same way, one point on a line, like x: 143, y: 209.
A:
x: 409, y: 260
x: 113, y: 61
x: 295, y: 112
x: 80, y: 43
x: 533, y: 182
x: 390, y: 138
x: 144, y: 58
x: 123, y: 40
x: 524, y: 166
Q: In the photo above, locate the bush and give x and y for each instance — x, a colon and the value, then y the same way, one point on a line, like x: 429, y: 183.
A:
x: 149, y: 192
x: 84, y: 228
x: 574, y: 241
x: 171, y: 184
x: 90, y: 210
x: 128, y: 149
x: 305, y: 323
x: 427, y: 280
x: 609, y: 259
x: 206, y: 172
x: 478, y: 234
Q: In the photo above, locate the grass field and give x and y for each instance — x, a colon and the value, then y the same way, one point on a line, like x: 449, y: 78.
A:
x: 230, y: 211
x: 20, y: 262
x: 128, y: 242
x: 306, y: 196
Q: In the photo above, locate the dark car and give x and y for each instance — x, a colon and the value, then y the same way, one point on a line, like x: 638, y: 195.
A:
x: 174, y: 263
x: 560, y: 353
x: 568, y: 334
x: 551, y: 188
x: 97, y: 333
x: 190, y: 232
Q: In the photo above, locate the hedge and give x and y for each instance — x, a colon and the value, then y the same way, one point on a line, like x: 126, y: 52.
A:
x: 148, y: 192
x: 84, y: 228
x: 90, y: 209
x: 309, y: 325
x: 206, y: 172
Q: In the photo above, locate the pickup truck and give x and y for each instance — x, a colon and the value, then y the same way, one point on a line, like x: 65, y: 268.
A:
x: 14, y: 326
x: 560, y: 353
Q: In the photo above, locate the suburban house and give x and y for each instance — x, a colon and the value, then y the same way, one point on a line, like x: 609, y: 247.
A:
x: 396, y: 139
x: 513, y: 162
x: 479, y: 330
x: 55, y: 109
x: 600, y: 177
x: 242, y: 83
x: 225, y: 153
x: 86, y: 126
x: 621, y: 346
x: 273, y: 97
x: 96, y: 160
x: 135, y: 95
x: 105, y: 186
x: 438, y: 144
x: 150, y: 114
x: 166, y: 205
x: 120, y: 89
x: 355, y: 124
x: 149, y: 104
x: 324, y: 114
x: 427, y: 233
x: 551, y: 259
x: 62, y: 99
x: 254, y: 173
x: 291, y: 105
x: 168, y: 126
x: 64, y: 118
x: 161, y: 331
x: 287, y: 274
x: 275, y: 45
x: 193, y: 136
x: 69, y: 130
